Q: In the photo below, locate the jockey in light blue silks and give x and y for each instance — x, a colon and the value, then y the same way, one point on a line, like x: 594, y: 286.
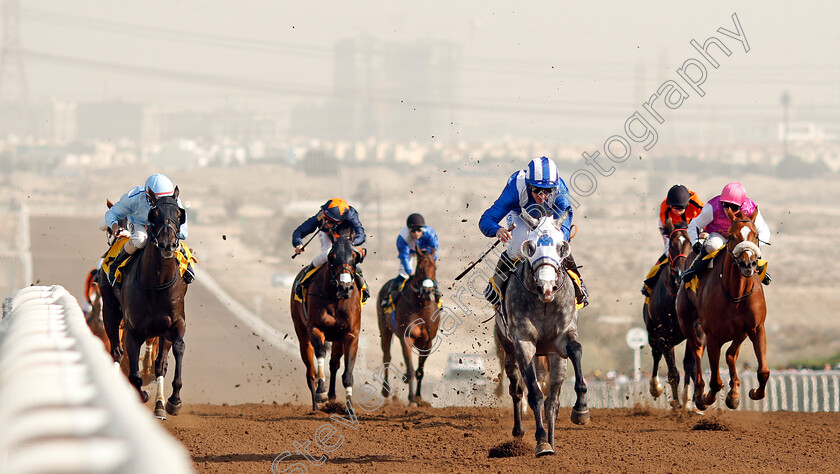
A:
x: 134, y: 207
x: 539, y: 183
x: 416, y: 234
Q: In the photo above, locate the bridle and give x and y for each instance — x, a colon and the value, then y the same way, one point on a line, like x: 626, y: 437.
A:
x: 168, y: 223
x: 672, y: 260
x: 752, y: 263
x: 417, y: 284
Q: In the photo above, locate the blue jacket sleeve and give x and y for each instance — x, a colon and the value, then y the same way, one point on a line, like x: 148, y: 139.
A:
x: 507, y: 201
x: 120, y: 210
x: 561, y: 203
x: 309, y: 226
x: 353, y: 219
x: 404, y: 255
x: 429, y: 240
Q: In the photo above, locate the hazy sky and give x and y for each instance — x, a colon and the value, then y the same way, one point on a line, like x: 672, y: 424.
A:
x: 541, y: 68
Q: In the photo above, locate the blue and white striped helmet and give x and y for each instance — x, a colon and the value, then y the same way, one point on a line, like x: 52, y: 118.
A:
x: 542, y: 173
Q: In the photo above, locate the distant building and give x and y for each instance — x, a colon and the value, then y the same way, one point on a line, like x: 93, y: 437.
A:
x: 385, y: 90
x: 111, y: 120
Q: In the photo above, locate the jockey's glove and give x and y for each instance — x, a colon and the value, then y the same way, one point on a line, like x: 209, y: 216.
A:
x: 697, y: 246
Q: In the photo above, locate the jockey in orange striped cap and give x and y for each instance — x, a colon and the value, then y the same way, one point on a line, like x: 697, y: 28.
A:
x: 334, y: 218
x: 681, y: 205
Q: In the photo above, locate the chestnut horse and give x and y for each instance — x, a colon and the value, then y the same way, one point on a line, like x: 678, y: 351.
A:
x: 660, y: 316
x: 150, y: 303
x: 333, y: 313
x: 414, y: 320
x: 727, y: 305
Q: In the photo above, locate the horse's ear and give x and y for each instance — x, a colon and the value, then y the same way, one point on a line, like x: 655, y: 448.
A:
x: 729, y: 214
x: 559, y: 221
x: 176, y: 193
x: 109, y: 203
x: 754, y: 214
x: 152, y: 197
x: 532, y: 223
x: 669, y: 225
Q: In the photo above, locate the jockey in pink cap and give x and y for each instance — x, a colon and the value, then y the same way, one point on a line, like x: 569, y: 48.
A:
x: 716, y: 223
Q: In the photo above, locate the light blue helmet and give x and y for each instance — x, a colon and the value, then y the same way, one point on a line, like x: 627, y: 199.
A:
x: 542, y: 173
x: 160, y: 185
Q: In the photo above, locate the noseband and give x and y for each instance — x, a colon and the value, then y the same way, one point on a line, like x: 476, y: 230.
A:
x: 169, y: 223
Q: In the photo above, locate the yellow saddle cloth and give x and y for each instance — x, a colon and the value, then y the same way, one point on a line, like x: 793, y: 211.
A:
x: 306, y: 277
x: 694, y: 283
x: 185, y: 260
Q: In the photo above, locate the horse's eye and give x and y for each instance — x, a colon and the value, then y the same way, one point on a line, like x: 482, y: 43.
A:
x: 562, y: 249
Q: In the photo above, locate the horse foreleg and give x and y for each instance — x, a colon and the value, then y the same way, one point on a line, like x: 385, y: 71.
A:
x: 695, y: 345
x: 759, y: 341
x: 655, y: 387
x: 336, y: 351
x: 132, y: 347
x: 161, y: 364
x: 351, y: 348
x: 307, y: 354
x: 557, y: 375
x: 733, y: 398
x: 421, y: 362
x: 715, y: 383
x: 525, y: 352
x: 580, y: 412
x: 515, y: 387
x: 688, y: 371
x: 111, y: 318
x: 173, y: 405
x: 406, y: 342
x: 320, y: 349
x: 673, y: 377
x: 385, y: 336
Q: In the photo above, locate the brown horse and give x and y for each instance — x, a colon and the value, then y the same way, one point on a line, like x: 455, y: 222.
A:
x: 727, y: 305
x: 660, y: 316
x: 150, y: 302
x: 333, y: 313
x: 414, y: 320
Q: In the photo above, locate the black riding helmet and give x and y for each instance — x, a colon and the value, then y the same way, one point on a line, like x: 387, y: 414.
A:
x: 415, y: 220
x: 678, y: 195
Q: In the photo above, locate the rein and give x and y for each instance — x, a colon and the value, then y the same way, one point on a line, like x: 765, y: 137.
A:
x: 162, y: 286
x: 737, y: 299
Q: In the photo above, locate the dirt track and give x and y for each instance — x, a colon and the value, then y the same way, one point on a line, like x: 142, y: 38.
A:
x: 247, y: 438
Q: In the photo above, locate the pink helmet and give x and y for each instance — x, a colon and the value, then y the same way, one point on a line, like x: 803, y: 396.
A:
x: 734, y: 193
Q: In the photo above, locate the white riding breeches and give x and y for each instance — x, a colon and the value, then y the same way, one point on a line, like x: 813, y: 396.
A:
x: 714, y: 242
x: 326, y: 246
x: 139, y: 236
x: 518, y: 235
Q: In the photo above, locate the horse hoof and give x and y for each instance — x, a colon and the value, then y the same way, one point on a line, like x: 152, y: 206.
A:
x: 321, y: 397
x: 144, y: 395
x: 544, y: 449
x: 160, y: 413
x: 675, y: 404
x: 518, y: 433
x: 173, y: 409
x: 755, y: 396
x: 733, y: 402
x: 580, y: 417
x: 656, y: 390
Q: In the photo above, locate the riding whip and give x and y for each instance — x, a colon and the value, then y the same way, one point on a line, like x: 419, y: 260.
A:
x: 472, y: 265
x: 307, y: 243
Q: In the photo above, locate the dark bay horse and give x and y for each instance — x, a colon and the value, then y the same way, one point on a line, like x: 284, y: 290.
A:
x: 660, y: 316
x: 414, y: 320
x: 727, y: 305
x: 540, y: 318
x: 150, y: 303
x: 333, y: 313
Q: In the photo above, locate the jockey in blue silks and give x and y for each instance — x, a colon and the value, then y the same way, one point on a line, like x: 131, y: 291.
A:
x: 415, y: 234
x: 534, y: 188
x: 134, y: 207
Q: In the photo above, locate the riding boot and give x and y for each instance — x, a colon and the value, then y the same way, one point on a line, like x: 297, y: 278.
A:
x: 360, y: 280
x: 766, y: 280
x: 301, y: 284
x: 189, y: 274
x: 697, y: 266
x: 504, y: 267
x: 581, y: 293
x: 393, y: 292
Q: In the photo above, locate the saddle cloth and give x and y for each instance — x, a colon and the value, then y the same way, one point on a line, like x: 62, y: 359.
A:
x: 185, y: 260
x: 694, y: 283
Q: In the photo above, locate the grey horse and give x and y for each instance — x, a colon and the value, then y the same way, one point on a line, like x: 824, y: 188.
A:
x: 540, y: 318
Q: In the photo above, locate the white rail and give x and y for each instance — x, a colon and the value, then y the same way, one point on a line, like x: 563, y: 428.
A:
x: 63, y: 405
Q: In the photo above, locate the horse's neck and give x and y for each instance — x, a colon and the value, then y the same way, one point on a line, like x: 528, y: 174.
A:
x: 734, y: 283
x: 154, y: 268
